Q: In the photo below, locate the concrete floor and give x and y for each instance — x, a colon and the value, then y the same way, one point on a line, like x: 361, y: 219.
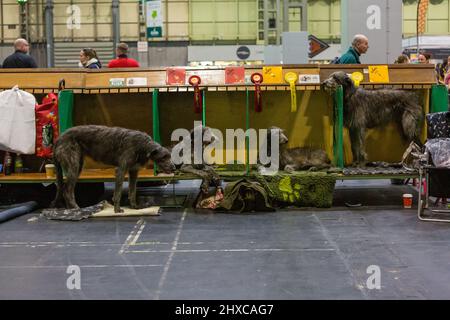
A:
x: 182, y: 254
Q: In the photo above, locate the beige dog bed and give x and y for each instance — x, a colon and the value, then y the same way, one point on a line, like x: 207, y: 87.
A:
x: 108, y: 211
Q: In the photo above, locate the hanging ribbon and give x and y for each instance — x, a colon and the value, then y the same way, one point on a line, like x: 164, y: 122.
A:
x: 257, y: 79
x: 291, y: 78
x: 195, y: 82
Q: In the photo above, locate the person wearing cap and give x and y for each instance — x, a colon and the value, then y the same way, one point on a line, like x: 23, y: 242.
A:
x: 122, y: 60
x: 20, y: 58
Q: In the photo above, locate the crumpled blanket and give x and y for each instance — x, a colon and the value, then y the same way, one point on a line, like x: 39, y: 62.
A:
x: 210, y: 201
x: 245, y: 196
x: 73, y: 214
x: 414, y: 157
x: 438, y: 125
x: 440, y: 151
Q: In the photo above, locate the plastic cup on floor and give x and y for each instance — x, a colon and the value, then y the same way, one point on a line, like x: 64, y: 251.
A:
x: 407, y: 200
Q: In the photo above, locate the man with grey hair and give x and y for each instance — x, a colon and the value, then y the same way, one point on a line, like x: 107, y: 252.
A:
x: 20, y: 58
x: 360, y: 44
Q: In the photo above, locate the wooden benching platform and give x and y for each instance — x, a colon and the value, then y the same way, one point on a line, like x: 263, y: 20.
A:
x: 108, y: 97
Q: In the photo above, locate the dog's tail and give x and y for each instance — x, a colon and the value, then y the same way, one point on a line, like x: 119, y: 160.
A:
x: 412, y: 123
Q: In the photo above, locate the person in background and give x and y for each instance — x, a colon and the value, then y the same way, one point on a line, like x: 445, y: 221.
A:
x: 89, y: 59
x: 424, y: 58
x: 447, y: 79
x: 402, y: 59
x: 20, y: 58
x: 122, y: 60
x: 441, y: 70
x: 360, y: 44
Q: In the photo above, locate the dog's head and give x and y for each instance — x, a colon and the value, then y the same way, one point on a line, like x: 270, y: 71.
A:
x: 337, y: 79
x: 208, y: 136
x: 162, y: 157
x: 283, y: 139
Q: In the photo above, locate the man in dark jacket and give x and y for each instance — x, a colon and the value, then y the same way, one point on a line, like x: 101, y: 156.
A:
x: 360, y: 44
x: 20, y: 58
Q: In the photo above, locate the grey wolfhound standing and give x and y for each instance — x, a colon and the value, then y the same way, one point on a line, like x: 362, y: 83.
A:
x: 364, y: 109
x: 127, y: 150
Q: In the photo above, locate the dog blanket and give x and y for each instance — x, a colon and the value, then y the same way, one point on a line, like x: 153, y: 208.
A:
x: 245, y: 196
x: 102, y: 209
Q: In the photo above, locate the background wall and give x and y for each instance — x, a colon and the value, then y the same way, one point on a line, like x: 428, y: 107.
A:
x: 186, y: 22
x: 213, y: 21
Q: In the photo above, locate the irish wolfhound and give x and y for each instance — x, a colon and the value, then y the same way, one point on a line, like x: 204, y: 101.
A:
x: 364, y: 109
x: 127, y: 150
x: 202, y: 170
x: 299, y: 158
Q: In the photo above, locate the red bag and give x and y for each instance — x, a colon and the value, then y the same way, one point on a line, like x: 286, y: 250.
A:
x: 46, y: 125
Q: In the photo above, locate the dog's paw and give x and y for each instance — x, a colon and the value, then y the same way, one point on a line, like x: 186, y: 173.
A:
x: 289, y: 168
x: 217, y: 181
x: 205, y: 188
x: 120, y: 210
x: 358, y: 164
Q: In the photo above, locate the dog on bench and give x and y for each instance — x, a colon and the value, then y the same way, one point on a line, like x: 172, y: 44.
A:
x: 299, y: 158
x: 364, y: 109
x: 203, y: 170
x: 127, y: 150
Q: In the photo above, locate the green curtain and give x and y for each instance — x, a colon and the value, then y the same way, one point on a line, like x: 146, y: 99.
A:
x: 439, y: 98
x: 65, y: 110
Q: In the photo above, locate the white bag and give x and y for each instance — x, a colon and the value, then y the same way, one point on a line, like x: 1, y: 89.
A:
x: 17, y: 121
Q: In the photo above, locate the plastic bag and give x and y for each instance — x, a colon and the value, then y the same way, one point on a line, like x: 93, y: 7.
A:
x: 414, y: 157
x: 439, y: 150
x: 17, y: 121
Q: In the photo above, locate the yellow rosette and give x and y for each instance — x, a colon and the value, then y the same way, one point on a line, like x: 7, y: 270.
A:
x: 357, y: 77
x: 291, y: 78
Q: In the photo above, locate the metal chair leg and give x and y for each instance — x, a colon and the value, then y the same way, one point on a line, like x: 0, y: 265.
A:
x: 425, y: 206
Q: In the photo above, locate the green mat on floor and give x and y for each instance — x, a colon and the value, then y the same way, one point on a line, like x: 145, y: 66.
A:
x: 301, y: 189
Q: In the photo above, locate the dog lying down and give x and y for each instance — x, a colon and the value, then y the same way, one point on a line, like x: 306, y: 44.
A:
x: 299, y: 158
x: 127, y: 150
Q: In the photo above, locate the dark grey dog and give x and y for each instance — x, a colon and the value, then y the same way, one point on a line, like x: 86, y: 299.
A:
x: 203, y: 170
x: 364, y: 109
x: 299, y: 158
x: 127, y: 150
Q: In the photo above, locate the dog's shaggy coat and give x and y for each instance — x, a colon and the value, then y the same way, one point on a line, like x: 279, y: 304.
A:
x: 364, y: 109
x: 127, y: 150
x: 204, y: 171
x: 299, y: 158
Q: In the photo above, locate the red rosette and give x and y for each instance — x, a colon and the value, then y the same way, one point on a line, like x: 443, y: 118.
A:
x: 257, y: 79
x: 195, y: 81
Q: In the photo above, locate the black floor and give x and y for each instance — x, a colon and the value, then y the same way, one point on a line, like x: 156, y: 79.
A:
x: 182, y: 254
